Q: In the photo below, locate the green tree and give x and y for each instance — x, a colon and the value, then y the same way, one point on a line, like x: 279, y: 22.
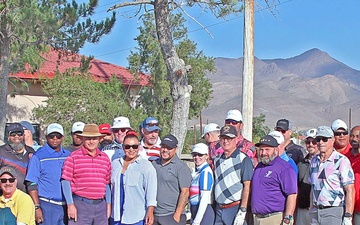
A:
x: 259, y: 128
x: 156, y: 99
x: 75, y: 96
x: 30, y: 27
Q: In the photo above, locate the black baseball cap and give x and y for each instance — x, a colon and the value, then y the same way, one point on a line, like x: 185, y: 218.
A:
x: 267, y: 140
x: 169, y: 140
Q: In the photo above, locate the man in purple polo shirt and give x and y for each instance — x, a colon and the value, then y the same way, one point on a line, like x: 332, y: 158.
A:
x: 274, y: 186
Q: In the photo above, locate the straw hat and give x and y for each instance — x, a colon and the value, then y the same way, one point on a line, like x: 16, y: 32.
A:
x: 91, y: 130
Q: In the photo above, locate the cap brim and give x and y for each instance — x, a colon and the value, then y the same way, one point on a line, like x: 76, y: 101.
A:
x: 152, y: 128
x: 91, y: 135
x: 228, y: 135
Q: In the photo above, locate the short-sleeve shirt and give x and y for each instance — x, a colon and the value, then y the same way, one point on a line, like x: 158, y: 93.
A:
x: 355, y: 164
x: 202, y: 181
x: 230, y: 173
x: 45, y: 169
x: 271, y: 184
x: 88, y: 175
x: 328, y: 179
x: 171, y: 178
x: 18, y: 209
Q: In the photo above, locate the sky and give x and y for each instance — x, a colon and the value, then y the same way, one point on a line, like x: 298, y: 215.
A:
x: 290, y: 28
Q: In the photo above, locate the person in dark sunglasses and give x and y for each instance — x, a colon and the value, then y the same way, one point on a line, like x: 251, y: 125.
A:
x: 133, y: 185
x: 332, y: 183
x: 44, y: 175
x: 341, y: 136
x: 15, y: 153
x: 16, y: 206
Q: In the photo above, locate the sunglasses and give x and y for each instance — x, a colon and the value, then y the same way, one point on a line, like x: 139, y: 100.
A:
x: 337, y: 133
x: 57, y: 135
x: 4, y: 180
x: 18, y: 133
x: 197, y: 154
x: 123, y: 130
x: 152, y: 124
x: 324, y: 139
x: 313, y: 142
x: 231, y: 122
x: 131, y: 146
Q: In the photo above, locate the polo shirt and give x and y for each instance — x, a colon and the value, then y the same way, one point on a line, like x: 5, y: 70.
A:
x: 292, y: 163
x: 271, y: 184
x: 230, y: 173
x: 203, y: 180
x: 355, y: 164
x: 328, y: 179
x: 171, y: 178
x: 18, y: 209
x: 88, y: 175
x: 19, y: 161
x: 45, y: 169
x: 153, y: 152
x: 140, y: 187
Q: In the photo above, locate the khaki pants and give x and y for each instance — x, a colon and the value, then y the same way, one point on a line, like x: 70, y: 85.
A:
x: 275, y: 219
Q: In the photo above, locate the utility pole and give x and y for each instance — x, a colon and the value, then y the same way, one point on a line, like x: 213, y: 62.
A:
x: 248, y: 70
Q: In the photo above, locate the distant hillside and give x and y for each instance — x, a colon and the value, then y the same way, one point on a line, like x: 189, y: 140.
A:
x: 310, y: 89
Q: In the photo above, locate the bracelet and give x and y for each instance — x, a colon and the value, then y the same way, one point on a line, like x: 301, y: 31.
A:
x: 37, y: 206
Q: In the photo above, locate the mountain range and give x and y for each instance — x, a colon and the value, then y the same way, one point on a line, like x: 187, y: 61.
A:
x: 310, y: 90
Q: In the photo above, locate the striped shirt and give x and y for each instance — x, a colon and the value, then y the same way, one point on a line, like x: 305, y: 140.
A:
x: 202, y: 181
x: 153, y: 152
x: 88, y: 175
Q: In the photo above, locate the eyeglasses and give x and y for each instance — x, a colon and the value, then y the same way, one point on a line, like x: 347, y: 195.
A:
x: 339, y: 133
x: 197, y: 154
x: 152, y: 124
x: 123, y: 130
x: 131, y: 146
x: 11, y: 180
x: 324, y: 139
x: 231, y: 122
x: 313, y: 142
x: 18, y: 133
x: 57, y: 135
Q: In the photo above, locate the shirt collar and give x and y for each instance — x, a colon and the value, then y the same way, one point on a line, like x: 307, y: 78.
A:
x: 86, y: 152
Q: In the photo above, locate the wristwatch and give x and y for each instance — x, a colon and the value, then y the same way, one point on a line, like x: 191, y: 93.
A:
x: 347, y: 214
x: 37, y: 206
x: 243, y: 209
x: 287, y: 219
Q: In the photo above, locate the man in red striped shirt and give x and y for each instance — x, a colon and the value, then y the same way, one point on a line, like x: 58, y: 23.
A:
x: 85, y: 181
x: 151, y: 142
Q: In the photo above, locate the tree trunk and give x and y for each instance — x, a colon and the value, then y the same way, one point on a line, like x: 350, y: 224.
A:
x: 4, y: 74
x: 177, y: 74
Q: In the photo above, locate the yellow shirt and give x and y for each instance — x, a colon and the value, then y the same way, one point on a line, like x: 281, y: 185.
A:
x: 19, y: 208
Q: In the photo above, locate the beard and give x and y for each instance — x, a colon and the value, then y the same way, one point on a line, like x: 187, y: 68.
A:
x: 354, y: 144
x: 267, y: 160
x: 16, y: 146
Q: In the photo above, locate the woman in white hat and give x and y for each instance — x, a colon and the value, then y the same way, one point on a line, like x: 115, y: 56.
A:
x: 201, y: 196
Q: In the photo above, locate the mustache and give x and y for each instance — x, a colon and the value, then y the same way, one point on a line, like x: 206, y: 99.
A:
x: 354, y: 144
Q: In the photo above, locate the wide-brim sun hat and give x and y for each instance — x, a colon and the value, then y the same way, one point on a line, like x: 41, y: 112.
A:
x: 91, y: 130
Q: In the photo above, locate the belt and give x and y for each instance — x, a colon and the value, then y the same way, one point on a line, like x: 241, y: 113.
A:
x: 266, y: 215
x: 225, y: 206
x: 323, y: 207
x: 91, y: 201
x: 52, y: 201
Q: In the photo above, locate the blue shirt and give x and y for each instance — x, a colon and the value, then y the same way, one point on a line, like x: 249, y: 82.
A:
x: 292, y: 163
x: 140, y: 186
x: 44, y: 169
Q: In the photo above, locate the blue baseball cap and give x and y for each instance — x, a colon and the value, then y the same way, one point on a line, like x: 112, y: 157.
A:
x: 150, y: 124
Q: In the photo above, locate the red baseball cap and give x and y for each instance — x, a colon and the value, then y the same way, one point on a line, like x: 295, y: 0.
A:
x: 105, y: 128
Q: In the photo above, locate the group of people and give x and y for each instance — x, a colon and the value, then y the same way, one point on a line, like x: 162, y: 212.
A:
x: 111, y: 174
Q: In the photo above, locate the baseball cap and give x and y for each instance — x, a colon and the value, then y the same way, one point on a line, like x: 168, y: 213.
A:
x: 278, y: 136
x: 77, y: 127
x: 27, y: 126
x: 9, y: 170
x: 105, y: 128
x: 283, y: 124
x: 337, y: 124
x: 267, y: 140
x: 234, y: 114
x: 311, y: 133
x: 121, y: 122
x: 55, y: 127
x: 151, y: 124
x: 210, y: 128
x: 228, y: 131
x: 14, y: 127
x: 169, y: 140
x: 200, y: 148
x: 324, y: 131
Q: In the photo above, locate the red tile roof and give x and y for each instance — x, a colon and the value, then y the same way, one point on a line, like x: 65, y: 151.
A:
x: 100, y: 71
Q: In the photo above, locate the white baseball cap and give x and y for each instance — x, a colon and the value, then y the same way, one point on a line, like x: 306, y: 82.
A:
x: 77, y: 126
x: 234, y: 114
x: 200, y: 148
x: 121, y: 122
x: 210, y: 128
x: 337, y: 124
x: 55, y: 127
x: 311, y: 133
x: 278, y: 136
